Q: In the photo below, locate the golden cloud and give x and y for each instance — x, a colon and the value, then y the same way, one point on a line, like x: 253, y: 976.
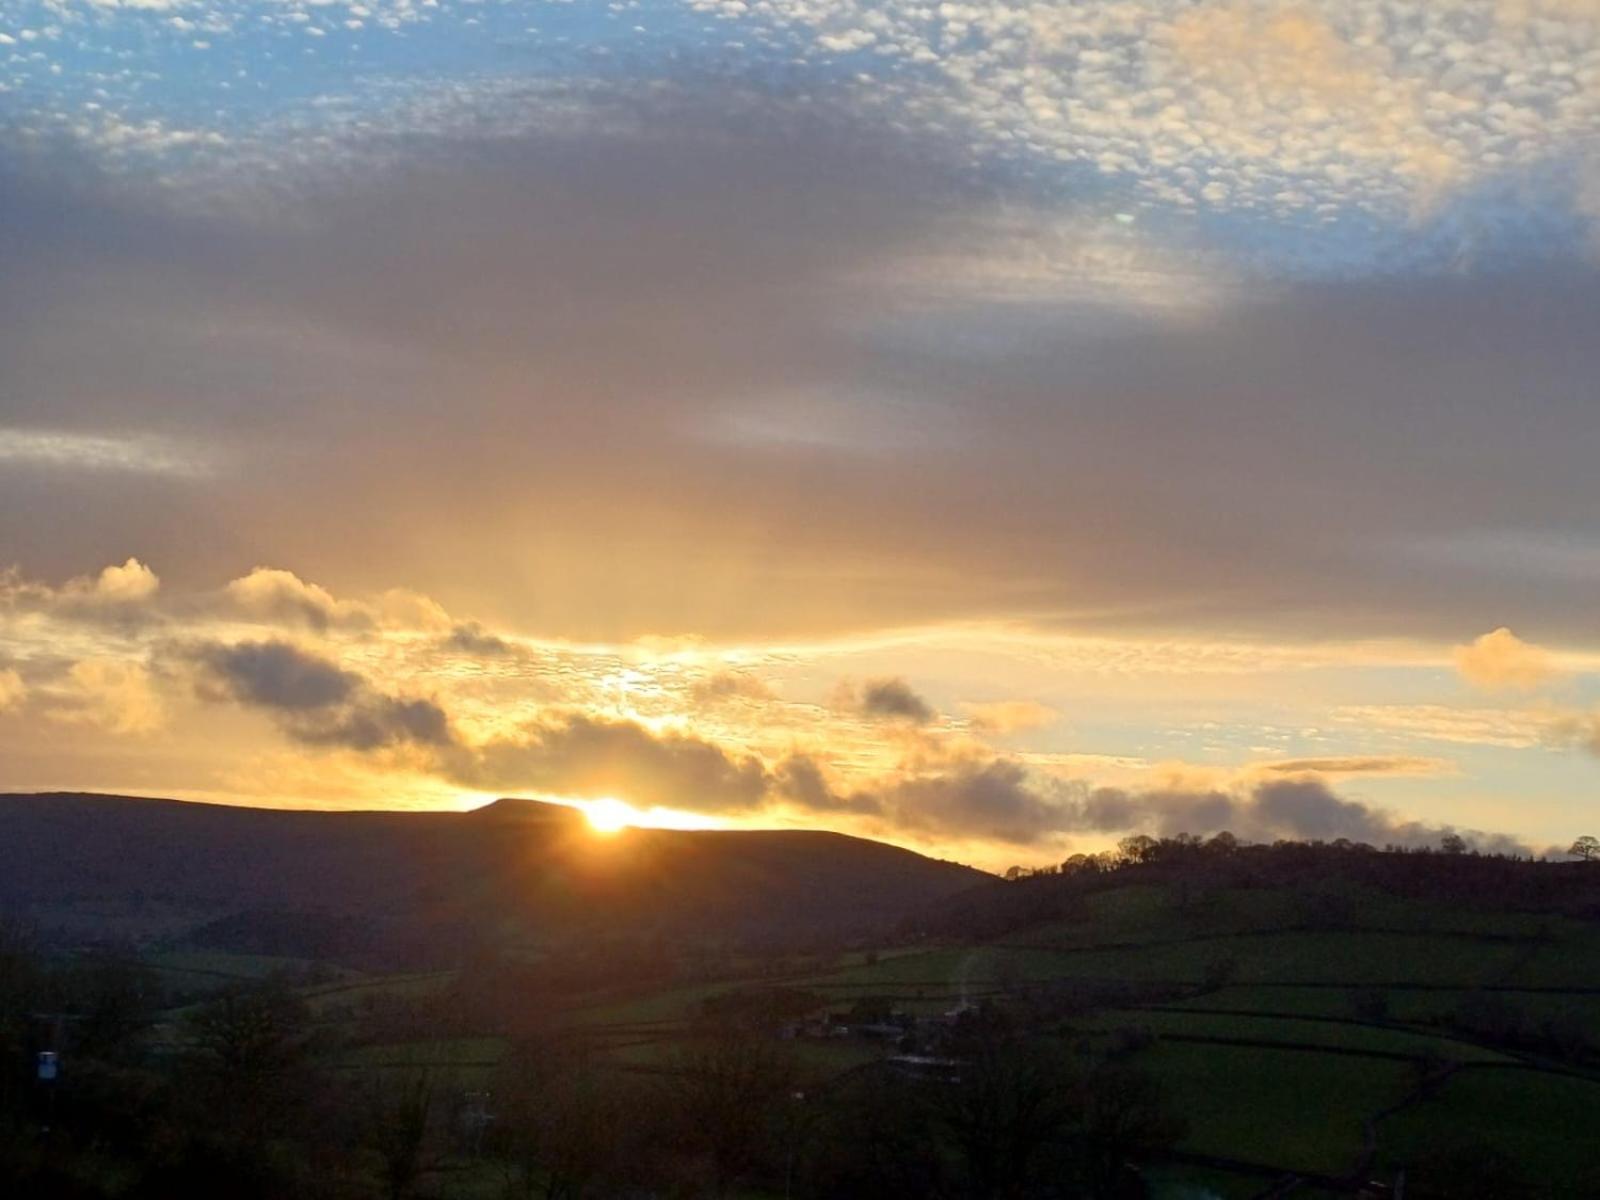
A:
x: 1501, y: 661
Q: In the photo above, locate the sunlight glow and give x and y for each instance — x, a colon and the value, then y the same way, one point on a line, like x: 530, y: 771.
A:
x: 608, y: 815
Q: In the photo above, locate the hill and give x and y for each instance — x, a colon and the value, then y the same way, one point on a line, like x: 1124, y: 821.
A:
x: 417, y: 885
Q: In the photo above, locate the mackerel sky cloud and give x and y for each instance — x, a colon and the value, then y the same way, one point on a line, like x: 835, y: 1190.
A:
x: 1126, y: 395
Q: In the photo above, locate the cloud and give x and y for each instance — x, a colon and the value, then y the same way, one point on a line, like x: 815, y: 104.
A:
x: 995, y: 799
x: 1507, y: 728
x: 894, y: 699
x: 1574, y: 730
x: 1501, y: 661
x: 583, y: 756
x: 111, y: 694
x: 136, y: 454
x: 314, y: 700
x: 12, y: 689
x: 472, y: 638
x: 275, y: 596
x: 1305, y: 809
x: 279, y: 596
x: 774, y: 262
x: 1000, y: 800
x: 1359, y: 765
x: 800, y: 781
x: 132, y: 582
x: 730, y: 685
x: 1009, y: 716
x: 118, y: 595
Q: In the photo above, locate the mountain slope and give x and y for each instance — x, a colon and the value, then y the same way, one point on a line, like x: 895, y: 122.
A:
x: 525, y: 869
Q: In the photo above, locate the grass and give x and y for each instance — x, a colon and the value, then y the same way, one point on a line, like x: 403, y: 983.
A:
x: 1293, y: 1109
x: 1348, y: 957
x: 1548, y: 1124
x: 671, y: 1004
x: 325, y: 998
x: 433, y: 1052
x: 1332, y: 1034
x: 245, y: 966
x: 1567, y: 961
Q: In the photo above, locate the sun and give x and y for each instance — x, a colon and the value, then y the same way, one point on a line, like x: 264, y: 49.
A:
x: 609, y: 815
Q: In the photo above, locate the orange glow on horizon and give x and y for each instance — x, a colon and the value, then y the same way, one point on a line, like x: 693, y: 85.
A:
x: 609, y: 815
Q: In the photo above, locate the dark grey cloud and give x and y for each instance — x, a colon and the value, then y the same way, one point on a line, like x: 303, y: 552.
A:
x: 678, y: 342
x: 894, y: 698
x: 995, y: 799
x: 471, y: 637
x: 313, y: 700
x: 579, y: 755
x: 799, y: 780
x: 1001, y: 800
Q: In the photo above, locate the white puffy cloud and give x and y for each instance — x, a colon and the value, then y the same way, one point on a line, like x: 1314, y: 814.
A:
x: 132, y: 582
x: 1500, y: 660
x: 271, y: 595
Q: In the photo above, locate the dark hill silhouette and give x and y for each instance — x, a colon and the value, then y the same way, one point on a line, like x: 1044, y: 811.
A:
x: 1315, y: 871
x: 271, y: 880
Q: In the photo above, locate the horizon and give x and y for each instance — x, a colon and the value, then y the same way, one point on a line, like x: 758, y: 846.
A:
x: 990, y: 429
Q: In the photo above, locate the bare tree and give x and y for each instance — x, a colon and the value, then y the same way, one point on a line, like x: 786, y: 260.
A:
x: 1587, y: 848
x: 1014, y: 1101
x: 251, y: 1042
x: 402, y: 1130
x: 561, y: 1121
x: 730, y: 1088
x: 1124, y: 1116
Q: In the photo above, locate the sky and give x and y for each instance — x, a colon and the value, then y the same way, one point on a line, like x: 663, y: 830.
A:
x: 992, y: 427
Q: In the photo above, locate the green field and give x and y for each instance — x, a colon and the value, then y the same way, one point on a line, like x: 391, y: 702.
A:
x: 1296, y: 1110
x: 1279, y: 1044
x: 1547, y: 1126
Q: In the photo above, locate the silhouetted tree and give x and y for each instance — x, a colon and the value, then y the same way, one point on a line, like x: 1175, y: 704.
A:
x: 21, y: 979
x: 402, y: 1130
x: 871, y: 1139
x: 251, y: 1047
x: 730, y: 1085
x: 1125, y: 1116
x: 562, y: 1122
x: 1587, y: 848
x: 1014, y: 1103
x: 112, y: 997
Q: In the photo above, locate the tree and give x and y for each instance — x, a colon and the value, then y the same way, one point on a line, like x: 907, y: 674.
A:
x: 1586, y: 848
x: 252, y: 1044
x: 1015, y: 1102
x: 560, y: 1121
x: 402, y: 1128
x: 1223, y: 843
x: 21, y: 979
x: 1125, y: 1116
x: 1453, y: 843
x: 1138, y: 848
x: 730, y: 1086
x: 112, y: 997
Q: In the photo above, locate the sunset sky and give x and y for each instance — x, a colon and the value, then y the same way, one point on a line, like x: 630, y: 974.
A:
x: 992, y: 427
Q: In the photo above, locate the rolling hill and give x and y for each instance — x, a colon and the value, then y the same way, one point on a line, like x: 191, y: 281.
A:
x: 418, y: 884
